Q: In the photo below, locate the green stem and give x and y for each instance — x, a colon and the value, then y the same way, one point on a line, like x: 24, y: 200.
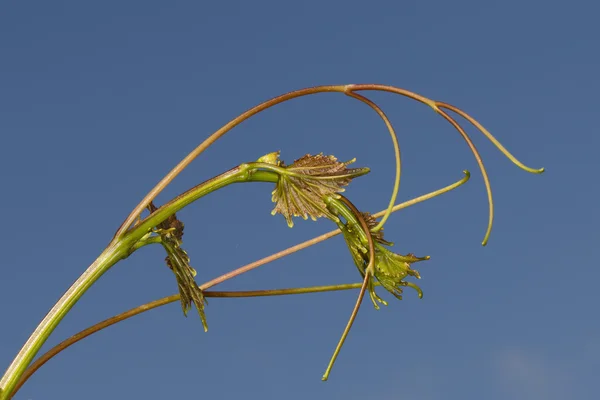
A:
x: 262, y: 176
x: 109, y: 257
x: 349, y: 324
x: 118, y: 249
x: 145, y: 242
x: 243, y: 173
x: 396, y: 146
x: 281, y: 292
x: 342, y: 209
x: 355, y: 216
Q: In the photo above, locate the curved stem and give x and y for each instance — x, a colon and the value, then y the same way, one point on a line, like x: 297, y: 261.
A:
x: 348, y: 90
x: 124, y: 238
x: 107, y: 259
x: 338, y: 348
x: 396, y: 155
x: 465, y: 136
x: 145, y: 242
x: 491, y: 138
x: 237, y: 174
x: 484, y: 174
x: 368, y: 273
x: 392, y: 89
x: 167, y: 300
x: 213, y: 138
x: 118, y: 249
x: 256, y: 264
x: 437, y: 107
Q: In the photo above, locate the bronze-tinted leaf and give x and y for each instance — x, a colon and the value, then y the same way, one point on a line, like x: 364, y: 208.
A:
x: 171, y: 224
x: 171, y: 233
x: 372, y: 223
x: 189, y: 292
x: 300, y: 192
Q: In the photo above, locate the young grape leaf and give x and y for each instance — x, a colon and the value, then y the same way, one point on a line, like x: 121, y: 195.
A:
x: 301, y: 189
x: 390, y: 268
x: 171, y: 233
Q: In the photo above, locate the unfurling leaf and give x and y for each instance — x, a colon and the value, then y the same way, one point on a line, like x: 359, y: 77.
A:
x: 390, y: 268
x: 372, y: 223
x: 271, y: 158
x: 171, y: 233
x: 303, y: 185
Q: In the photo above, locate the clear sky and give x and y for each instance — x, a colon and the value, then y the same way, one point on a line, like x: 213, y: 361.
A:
x: 98, y: 100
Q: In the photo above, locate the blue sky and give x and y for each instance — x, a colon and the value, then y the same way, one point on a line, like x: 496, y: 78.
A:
x: 98, y: 100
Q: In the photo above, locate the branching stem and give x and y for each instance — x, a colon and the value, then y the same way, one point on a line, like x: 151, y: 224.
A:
x: 37, y: 364
x: 117, y: 250
x: 232, y: 274
x: 350, y: 91
x: 129, y: 233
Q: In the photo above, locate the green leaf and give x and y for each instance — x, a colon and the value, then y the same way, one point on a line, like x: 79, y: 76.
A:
x: 390, y: 269
x: 303, y: 185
